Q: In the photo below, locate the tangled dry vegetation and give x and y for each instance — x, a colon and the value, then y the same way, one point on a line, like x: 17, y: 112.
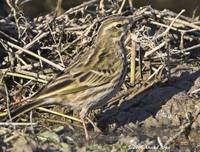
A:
x: 34, y: 51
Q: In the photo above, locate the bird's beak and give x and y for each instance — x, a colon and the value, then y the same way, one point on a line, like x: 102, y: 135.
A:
x: 133, y: 19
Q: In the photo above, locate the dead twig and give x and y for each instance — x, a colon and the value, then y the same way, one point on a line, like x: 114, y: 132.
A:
x: 35, y: 55
x: 169, y: 27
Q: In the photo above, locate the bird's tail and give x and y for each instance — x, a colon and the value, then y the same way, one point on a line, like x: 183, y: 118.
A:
x: 16, y: 113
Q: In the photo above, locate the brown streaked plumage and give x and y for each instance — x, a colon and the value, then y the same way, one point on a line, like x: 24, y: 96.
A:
x: 92, y: 79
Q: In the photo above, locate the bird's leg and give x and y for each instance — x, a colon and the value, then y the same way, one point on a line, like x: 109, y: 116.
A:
x: 83, y: 115
x: 96, y: 129
x: 85, y: 129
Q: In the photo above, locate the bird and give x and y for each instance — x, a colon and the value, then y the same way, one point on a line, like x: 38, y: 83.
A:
x: 93, y: 78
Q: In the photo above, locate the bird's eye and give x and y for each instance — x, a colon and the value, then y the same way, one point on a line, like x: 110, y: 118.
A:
x: 119, y: 25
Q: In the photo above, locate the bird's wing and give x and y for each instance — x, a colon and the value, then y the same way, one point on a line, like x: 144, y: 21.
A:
x: 68, y: 84
x: 78, y: 77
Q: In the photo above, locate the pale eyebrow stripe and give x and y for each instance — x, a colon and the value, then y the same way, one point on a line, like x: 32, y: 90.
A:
x: 114, y: 24
x: 111, y: 25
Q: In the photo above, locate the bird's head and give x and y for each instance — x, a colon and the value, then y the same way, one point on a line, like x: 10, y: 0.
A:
x: 113, y: 27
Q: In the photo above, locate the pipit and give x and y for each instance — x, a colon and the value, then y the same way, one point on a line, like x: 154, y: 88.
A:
x: 93, y: 78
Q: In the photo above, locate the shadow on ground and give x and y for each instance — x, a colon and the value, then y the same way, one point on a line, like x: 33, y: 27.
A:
x: 150, y: 102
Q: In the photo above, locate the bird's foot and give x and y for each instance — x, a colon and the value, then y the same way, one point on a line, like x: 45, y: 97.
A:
x: 96, y: 129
